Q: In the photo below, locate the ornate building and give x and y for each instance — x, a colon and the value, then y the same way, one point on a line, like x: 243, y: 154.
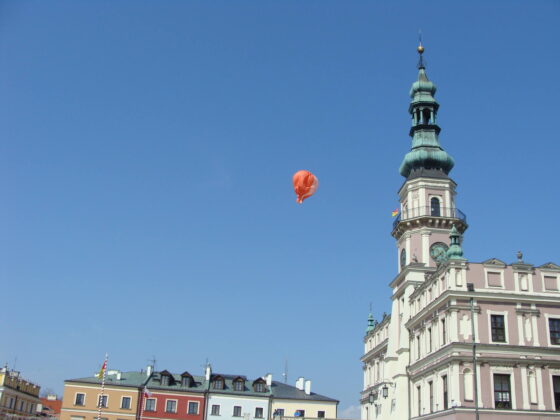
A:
x: 421, y: 361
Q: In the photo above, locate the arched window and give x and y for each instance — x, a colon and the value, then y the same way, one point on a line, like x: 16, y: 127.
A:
x: 468, y: 384
x: 435, y: 209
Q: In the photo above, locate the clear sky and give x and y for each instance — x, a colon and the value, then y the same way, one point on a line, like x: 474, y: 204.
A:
x: 146, y: 155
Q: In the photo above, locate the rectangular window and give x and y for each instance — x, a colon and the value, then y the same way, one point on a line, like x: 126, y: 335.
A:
x: 550, y: 283
x: 498, y: 328
x: 443, y: 336
x: 279, y: 412
x: 556, y: 388
x: 418, y: 343
x: 102, y: 401
x: 429, y: 340
x: 193, y: 407
x: 554, y: 326
x: 125, y: 403
x: 171, y: 406
x: 150, y: 404
x: 237, y: 411
x: 321, y: 414
x: 502, y: 391
x: 431, y: 388
x: 11, y: 404
x: 444, y: 380
x: 80, y: 399
x: 419, y: 393
x: 215, y: 410
x: 259, y: 387
x: 300, y: 413
x: 238, y: 386
x: 494, y: 279
x: 258, y: 413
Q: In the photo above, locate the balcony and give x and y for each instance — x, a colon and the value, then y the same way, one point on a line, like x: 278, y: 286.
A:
x: 436, y: 213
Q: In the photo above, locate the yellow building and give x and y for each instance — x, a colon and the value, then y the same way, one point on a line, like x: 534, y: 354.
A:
x: 300, y: 402
x: 120, y: 397
x: 18, y: 398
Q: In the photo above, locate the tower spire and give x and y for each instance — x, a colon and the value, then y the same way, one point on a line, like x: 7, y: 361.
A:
x: 426, y: 157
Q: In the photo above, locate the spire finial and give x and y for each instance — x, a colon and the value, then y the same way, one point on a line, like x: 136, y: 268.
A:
x: 420, y: 50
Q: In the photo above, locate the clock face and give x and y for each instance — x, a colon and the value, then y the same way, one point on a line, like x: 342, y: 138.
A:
x: 438, y: 252
x: 403, y: 258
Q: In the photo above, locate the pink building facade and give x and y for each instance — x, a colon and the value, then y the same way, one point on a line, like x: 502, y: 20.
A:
x: 421, y: 361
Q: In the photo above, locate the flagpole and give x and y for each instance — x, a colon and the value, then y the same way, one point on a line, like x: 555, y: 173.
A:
x: 142, y: 402
x: 100, y: 401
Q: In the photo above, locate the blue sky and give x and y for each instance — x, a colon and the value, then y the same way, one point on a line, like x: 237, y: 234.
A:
x: 146, y: 155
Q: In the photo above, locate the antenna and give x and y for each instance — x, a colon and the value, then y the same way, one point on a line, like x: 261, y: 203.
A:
x: 285, y: 374
x: 153, y: 362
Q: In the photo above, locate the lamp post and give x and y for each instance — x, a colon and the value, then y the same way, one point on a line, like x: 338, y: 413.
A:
x: 470, y: 288
x: 385, y: 391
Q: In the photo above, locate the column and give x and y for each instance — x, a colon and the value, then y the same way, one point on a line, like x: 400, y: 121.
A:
x: 453, y: 384
x: 453, y: 327
x: 524, y: 391
x: 426, y: 247
x: 538, y: 371
x: 535, y: 330
x: 407, y: 245
x: 520, y: 329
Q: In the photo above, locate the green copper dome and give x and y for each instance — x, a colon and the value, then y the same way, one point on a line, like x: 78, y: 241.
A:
x: 426, y: 152
x: 455, y: 252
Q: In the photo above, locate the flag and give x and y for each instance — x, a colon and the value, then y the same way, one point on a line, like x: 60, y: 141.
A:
x: 147, y: 393
x: 395, y: 212
x: 102, y: 370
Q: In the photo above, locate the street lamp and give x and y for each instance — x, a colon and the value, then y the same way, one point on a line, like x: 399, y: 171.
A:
x: 371, y: 398
x: 470, y: 288
x: 385, y: 390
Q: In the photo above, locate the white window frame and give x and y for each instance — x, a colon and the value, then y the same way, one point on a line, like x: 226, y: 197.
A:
x: 122, y: 399
x: 547, y: 317
x: 197, y: 407
x: 146, y: 404
x: 76, y: 395
x: 98, y: 401
x: 212, y: 409
x: 262, y: 414
x: 504, y: 371
x: 176, y: 405
x: 506, y: 329
x: 500, y: 271
x: 550, y: 274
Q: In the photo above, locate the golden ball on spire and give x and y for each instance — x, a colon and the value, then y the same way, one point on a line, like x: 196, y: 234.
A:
x: 420, y: 49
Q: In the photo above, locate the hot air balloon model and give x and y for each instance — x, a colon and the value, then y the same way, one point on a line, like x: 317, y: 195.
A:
x: 305, y: 185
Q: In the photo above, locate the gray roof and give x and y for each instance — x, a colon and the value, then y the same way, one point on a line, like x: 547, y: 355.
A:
x: 134, y: 379
x: 197, y: 385
x: 289, y: 392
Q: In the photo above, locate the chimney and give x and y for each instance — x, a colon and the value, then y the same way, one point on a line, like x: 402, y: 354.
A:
x: 119, y: 375
x: 308, y: 387
x: 300, y: 383
x: 208, y: 372
x: 268, y: 379
x: 149, y: 371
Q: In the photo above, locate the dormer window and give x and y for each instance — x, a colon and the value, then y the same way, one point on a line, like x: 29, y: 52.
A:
x: 166, y: 378
x: 238, y: 384
x: 186, y: 380
x: 259, y: 385
x: 218, y: 383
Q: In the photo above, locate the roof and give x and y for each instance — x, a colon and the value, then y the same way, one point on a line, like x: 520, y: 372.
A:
x: 197, y: 384
x: 248, y: 388
x: 284, y: 391
x: 54, y: 405
x: 134, y: 379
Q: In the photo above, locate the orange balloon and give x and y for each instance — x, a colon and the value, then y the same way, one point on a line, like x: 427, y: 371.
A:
x: 305, y: 185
